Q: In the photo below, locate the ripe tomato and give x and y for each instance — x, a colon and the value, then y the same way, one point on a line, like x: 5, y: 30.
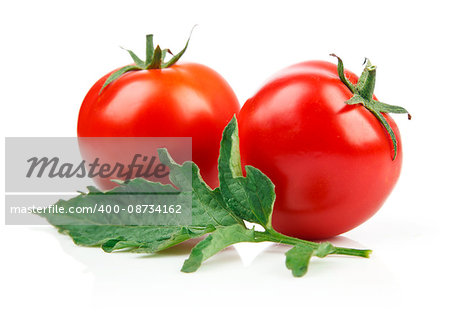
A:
x: 171, y: 100
x: 331, y: 162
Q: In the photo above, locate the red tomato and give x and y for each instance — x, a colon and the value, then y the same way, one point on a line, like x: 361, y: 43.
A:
x: 331, y: 163
x: 157, y: 98
x: 183, y: 100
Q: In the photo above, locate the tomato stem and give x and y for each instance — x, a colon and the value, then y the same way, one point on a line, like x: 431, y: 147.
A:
x: 353, y: 252
x: 363, y: 95
x: 273, y: 236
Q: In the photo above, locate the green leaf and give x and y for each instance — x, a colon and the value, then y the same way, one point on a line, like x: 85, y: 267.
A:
x: 251, y: 197
x: 356, y: 99
x: 177, y: 57
x: 298, y: 258
x: 156, y: 59
x: 135, y: 58
x: 216, y: 242
x: 149, y: 50
x: 134, y: 232
x: 387, y: 108
x: 114, y: 76
x: 138, y: 239
x: 208, y: 204
x: 387, y: 127
x: 341, y: 73
x: 218, y: 212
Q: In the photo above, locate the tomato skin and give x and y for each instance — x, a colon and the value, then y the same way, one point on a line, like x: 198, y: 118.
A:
x: 184, y: 100
x: 331, y: 163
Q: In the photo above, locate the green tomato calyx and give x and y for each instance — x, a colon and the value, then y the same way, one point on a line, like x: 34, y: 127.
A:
x: 155, y: 59
x: 363, y: 94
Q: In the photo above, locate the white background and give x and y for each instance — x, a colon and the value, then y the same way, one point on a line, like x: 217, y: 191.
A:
x: 53, y: 51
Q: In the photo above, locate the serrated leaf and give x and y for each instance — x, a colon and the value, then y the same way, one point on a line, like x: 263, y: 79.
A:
x: 125, y: 231
x: 139, y: 239
x: 297, y: 259
x: 251, y: 197
x: 208, y: 203
x: 216, y: 242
